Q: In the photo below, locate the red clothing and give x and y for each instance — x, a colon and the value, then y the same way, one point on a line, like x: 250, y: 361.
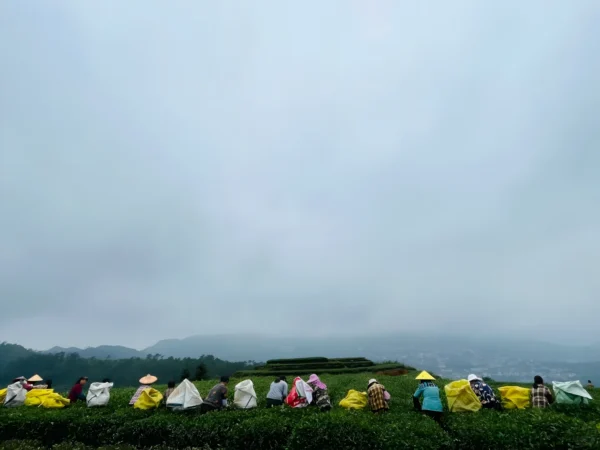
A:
x: 76, y: 393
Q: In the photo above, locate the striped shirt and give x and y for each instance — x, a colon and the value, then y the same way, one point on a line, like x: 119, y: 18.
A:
x: 376, y: 398
x: 137, y: 394
x: 541, y: 397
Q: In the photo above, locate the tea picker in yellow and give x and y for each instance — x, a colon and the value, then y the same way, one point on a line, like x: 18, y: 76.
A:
x: 145, y: 383
x: 432, y: 404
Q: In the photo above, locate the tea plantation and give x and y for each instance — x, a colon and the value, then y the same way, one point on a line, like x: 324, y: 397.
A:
x: 119, y: 426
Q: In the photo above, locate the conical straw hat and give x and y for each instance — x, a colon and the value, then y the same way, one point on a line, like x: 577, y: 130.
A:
x: 148, y: 379
x: 35, y: 378
x: 424, y: 376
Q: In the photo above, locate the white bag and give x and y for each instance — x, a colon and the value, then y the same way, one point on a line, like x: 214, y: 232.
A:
x: 571, y: 393
x: 98, y: 394
x: 15, y: 395
x: 185, y: 396
x: 245, y: 396
x: 305, y: 391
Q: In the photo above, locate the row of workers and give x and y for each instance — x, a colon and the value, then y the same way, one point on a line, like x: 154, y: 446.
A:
x: 468, y: 395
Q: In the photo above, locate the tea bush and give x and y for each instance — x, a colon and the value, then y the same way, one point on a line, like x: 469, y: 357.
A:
x: 120, y: 427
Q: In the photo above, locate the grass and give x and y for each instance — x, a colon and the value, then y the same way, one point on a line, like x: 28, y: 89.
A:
x: 119, y: 426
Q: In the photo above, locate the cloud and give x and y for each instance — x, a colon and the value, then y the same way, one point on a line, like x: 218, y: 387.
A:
x: 194, y: 169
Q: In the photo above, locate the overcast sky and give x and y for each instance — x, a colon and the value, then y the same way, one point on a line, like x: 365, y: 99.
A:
x: 315, y: 167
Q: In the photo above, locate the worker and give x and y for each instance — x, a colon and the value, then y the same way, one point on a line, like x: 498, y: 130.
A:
x: 320, y: 393
x: 432, y: 404
x: 376, y: 395
x: 484, y: 392
x: 76, y: 392
x: 145, y: 383
x: 278, y: 391
x: 216, y: 398
x: 541, y: 397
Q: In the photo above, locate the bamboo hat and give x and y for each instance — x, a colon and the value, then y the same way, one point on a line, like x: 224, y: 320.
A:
x: 35, y: 378
x: 148, y: 379
x: 425, y: 376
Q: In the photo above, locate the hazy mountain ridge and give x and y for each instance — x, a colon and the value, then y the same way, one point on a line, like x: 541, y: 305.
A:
x: 450, y: 356
x: 100, y: 352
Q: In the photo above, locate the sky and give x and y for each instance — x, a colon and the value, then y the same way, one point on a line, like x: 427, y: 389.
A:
x: 298, y: 168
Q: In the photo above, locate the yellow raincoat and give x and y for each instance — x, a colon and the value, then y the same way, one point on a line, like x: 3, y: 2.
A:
x: 45, y: 398
x: 2, y: 395
x: 514, y: 397
x: 149, y: 399
x: 461, y: 397
x: 354, y: 400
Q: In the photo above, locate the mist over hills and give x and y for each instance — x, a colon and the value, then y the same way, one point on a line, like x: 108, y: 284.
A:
x: 450, y: 356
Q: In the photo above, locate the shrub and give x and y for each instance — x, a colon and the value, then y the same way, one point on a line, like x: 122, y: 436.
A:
x: 120, y: 427
x: 312, y: 359
x: 22, y: 445
x: 527, y: 429
x: 307, y: 371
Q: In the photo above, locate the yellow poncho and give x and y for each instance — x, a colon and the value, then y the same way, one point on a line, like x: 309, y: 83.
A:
x: 515, y: 397
x: 461, y: 397
x: 149, y: 399
x: 354, y: 400
x: 45, y: 398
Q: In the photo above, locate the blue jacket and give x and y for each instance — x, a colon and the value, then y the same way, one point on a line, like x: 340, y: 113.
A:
x: 431, y: 397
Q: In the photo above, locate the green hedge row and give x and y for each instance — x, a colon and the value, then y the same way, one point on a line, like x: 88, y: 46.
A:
x: 319, y: 365
x: 298, y: 360
x: 305, y: 371
x: 306, y: 430
x: 355, y: 359
x: 243, y: 430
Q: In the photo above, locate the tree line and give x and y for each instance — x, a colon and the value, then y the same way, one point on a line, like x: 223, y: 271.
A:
x: 64, y: 368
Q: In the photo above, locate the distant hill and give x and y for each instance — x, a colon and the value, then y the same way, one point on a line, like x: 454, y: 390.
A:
x: 101, y: 352
x: 451, y: 356
x: 12, y: 352
x: 381, y: 347
x: 65, y: 366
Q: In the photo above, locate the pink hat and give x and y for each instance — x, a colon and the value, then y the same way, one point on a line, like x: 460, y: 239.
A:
x: 314, y: 379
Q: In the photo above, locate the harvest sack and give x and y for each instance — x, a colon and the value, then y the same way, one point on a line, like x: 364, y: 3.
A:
x: 571, y: 393
x: 300, y: 395
x: 45, y: 398
x: 514, y: 397
x: 15, y: 395
x: 354, y: 400
x: 245, y: 396
x: 98, y: 394
x: 185, y: 396
x: 150, y: 398
x: 461, y: 397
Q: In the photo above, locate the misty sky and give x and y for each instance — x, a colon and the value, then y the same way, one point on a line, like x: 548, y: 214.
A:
x: 178, y: 168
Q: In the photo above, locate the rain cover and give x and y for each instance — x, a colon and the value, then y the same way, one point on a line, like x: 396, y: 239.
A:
x: 245, y: 396
x: 98, y: 394
x: 461, y: 397
x: 15, y: 395
x: 185, y: 396
x: 571, y: 393
x: 300, y: 395
x: 515, y: 397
